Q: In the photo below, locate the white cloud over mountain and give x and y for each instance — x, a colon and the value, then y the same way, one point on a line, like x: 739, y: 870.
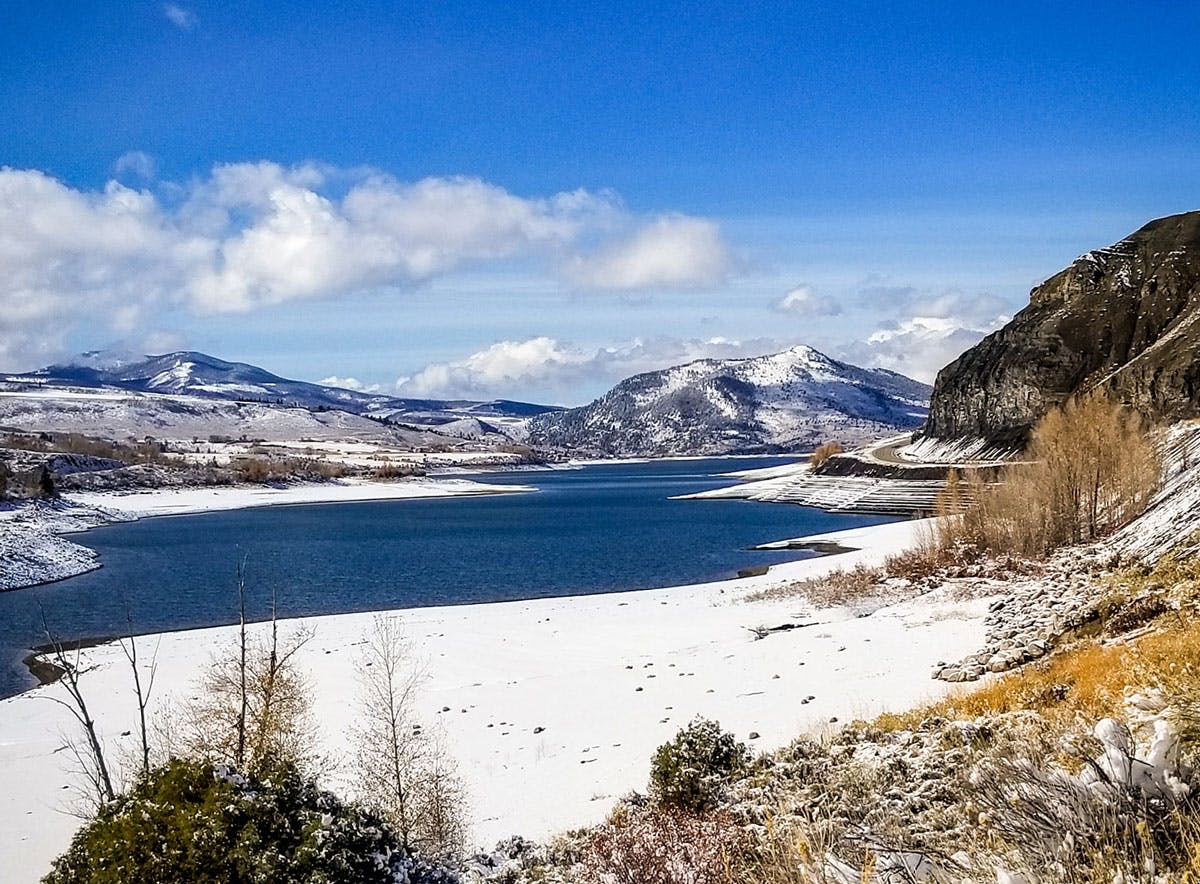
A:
x: 251, y: 235
x: 928, y: 331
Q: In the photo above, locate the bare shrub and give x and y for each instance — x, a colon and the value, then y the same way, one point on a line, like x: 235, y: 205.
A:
x: 399, y: 769
x: 147, y: 450
x: 1091, y: 469
x: 663, y: 847
x: 823, y: 452
x: 391, y: 469
x: 253, y: 706
x: 786, y: 851
x: 89, y: 754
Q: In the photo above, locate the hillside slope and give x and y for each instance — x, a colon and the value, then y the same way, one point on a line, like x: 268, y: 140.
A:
x: 782, y: 402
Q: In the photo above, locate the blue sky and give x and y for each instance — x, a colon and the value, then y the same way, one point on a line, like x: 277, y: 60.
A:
x: 608, y: 187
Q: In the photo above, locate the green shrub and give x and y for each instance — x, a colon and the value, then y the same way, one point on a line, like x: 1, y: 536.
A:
x: 690, y: 772
x: 192, y: 821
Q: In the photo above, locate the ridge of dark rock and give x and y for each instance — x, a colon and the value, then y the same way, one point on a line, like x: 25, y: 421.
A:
x: 1122, y: 318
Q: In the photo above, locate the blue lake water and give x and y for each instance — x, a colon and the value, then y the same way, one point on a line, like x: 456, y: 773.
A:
x: 602, y: 528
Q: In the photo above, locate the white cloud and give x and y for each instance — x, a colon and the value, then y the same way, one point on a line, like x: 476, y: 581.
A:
x: 805, y: 301
x: 543, y: 365
x: 918, y: 347
x: 184, y: 19
x: 349, y: 384
x: 251, y: 235
x: 926, y: 330
x: 672, y: 251
x: 138, y: 163
x: 302, y: 244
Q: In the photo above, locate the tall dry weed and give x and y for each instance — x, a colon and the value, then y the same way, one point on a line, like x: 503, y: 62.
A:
x: 1090, y: 468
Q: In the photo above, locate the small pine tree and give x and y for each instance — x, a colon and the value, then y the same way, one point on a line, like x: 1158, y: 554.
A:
x: 690, y: 772
x: 190, y: 821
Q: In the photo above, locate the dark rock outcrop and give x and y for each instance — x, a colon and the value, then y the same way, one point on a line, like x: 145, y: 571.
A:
x: 1124, y: 319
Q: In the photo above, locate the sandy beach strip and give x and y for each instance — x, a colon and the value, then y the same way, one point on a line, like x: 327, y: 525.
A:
x: 552, y: 707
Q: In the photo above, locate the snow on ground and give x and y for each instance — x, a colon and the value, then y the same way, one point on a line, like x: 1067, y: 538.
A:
x: 606, y: 677
x: 177, y: 501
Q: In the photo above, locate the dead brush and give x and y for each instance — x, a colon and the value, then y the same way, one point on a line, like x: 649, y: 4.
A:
x: 840, y: 587
x: 789, y: 850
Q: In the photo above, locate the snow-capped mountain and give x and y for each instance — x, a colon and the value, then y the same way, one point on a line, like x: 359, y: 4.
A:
x: 786, y: 401
x: 198, y: 374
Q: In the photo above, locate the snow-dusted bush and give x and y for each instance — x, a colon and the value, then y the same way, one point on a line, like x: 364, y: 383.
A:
x: 690, y: 772
x: 192, y: 821
x: 1129, y: 815
x: 663, y: 847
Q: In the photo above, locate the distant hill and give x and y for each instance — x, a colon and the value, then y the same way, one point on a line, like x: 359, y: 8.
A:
x: 188, y: 394
x: 1125, y: 319
x: 787, y: 401
x: 198, y: 374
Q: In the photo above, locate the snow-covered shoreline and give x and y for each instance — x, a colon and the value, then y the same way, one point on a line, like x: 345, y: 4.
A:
x: 552, y: 706
x: 34, y: 550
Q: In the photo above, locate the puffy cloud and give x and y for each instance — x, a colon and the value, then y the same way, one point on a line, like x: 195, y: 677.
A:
x: 673, y: 251
x: 543, y: 365
x: 302, y: 244
x: 805, y: 301
x: 67, y: 256
x: 184, y: 19
x: 251, y: 235
x: 136, y: 162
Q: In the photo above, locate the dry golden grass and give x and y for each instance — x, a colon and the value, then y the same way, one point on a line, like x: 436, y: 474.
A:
x: 1086, y: 682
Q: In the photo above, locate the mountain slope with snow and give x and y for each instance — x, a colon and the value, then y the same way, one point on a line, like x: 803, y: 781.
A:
x: 198, y: 374
x: 786, y: 401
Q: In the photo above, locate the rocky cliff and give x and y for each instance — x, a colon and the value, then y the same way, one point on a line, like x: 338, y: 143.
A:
x: 1122, y: 318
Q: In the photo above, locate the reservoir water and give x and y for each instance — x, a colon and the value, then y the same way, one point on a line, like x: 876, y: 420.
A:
x: 602, y: 528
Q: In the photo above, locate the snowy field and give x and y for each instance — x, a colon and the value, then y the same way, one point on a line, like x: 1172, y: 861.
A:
x: 606, y: 679
x: 179, y: 501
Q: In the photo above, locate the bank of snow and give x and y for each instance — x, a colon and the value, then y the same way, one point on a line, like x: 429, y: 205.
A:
x: 178, y: 501
x: 553, y: 706
x: 33, y: 550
